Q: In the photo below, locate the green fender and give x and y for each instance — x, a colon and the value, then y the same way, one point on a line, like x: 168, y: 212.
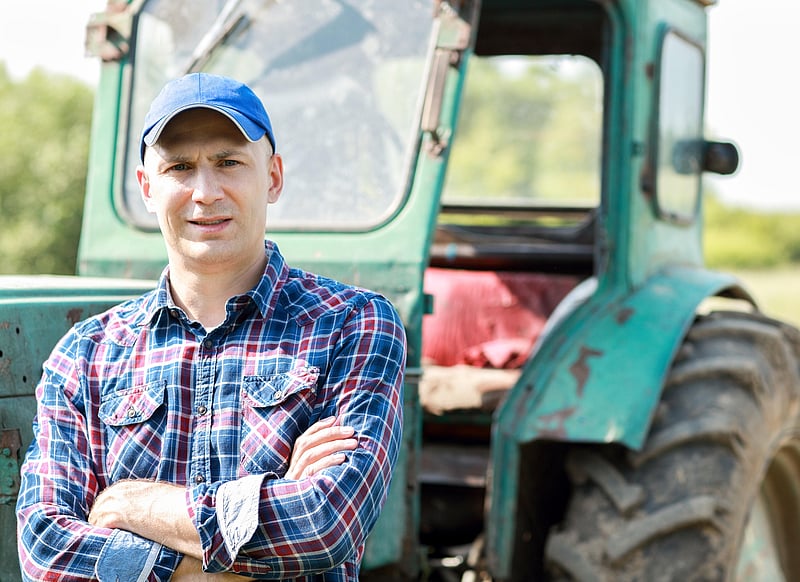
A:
x: 597, y: 378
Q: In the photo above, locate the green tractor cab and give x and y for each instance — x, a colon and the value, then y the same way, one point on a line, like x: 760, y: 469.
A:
x: 523, y: 179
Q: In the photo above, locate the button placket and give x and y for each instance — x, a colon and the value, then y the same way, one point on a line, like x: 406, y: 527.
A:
x: 204, y: 386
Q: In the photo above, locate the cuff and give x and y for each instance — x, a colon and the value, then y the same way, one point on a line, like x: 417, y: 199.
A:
x: 237, y: 511
x: 126, y: 556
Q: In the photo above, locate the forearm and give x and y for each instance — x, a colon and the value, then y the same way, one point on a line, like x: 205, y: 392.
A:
x: 280, y: 529
x: 284, y: 528
x: 155, y: 511
x: 53, y: 543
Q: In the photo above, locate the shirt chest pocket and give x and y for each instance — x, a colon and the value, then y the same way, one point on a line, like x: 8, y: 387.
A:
x: 275, y: 411
x: 134, y: 422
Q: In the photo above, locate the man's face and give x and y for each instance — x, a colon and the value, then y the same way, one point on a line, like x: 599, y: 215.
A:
x: 209, y: 187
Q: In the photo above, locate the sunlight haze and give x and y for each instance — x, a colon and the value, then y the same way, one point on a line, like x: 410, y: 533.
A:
x: 752, y: 95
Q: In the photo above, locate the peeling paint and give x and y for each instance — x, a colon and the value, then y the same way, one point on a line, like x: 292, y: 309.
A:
x: 580, y: 369
x: 74, y: 315
x: 624, y: 314
x: 559, y: 419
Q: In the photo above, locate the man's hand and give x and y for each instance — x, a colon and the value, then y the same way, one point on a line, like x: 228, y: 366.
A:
x: 191, y: 570
x: 320, y: 447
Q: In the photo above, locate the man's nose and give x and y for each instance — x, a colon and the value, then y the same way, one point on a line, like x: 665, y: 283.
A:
x: 207, y: 187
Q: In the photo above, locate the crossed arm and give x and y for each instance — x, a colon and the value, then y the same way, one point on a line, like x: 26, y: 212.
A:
x: 158, y: 512
x: 161, y: 527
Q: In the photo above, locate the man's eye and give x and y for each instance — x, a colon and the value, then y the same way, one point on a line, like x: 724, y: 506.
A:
x: 179, y: 168
x: 230, y: 163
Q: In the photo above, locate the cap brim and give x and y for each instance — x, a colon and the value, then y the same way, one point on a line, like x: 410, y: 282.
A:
x: 252, y: 131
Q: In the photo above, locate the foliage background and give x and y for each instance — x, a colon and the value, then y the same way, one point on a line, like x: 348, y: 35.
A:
x: 44, y: 148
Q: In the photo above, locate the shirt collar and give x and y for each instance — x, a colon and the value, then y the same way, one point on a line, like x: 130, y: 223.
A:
x: 264, y: 295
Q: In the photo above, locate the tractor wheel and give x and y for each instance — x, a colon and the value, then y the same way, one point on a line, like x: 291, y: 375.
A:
x: 714, y: 494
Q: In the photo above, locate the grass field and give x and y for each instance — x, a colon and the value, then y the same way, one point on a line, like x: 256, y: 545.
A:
x: 776, y: 290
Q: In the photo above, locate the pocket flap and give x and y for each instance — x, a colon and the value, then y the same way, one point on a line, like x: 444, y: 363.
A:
x: 132, y: 406
x: 262, y: 391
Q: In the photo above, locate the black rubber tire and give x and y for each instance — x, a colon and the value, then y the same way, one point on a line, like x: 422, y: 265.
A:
x: 725, y: 435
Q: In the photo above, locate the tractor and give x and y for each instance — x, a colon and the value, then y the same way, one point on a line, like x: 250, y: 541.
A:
x: 584, y: 399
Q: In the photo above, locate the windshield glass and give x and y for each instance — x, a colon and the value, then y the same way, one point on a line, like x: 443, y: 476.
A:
x: 529, y: 134
x: 341, y: 80
x: 680, y: 129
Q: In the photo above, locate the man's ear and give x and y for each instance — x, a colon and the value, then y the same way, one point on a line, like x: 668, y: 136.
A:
x: 275, y: 178
x: 144, y: 188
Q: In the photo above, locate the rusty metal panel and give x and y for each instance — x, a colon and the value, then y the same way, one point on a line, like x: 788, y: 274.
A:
x: 598, y: 379
x: 605, y: 378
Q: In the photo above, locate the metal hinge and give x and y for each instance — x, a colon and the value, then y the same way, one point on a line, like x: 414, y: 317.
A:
x: 455, y: 22
x: 108, y: 34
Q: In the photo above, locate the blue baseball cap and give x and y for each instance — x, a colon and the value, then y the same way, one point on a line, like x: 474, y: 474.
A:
x: 232, y: 98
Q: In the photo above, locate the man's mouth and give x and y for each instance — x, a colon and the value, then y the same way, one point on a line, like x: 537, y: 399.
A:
x: 209, y: 222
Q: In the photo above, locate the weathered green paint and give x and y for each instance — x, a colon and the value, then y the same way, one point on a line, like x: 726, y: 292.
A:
x: 598, y: 379
x: 651, y: 243
x: 35, y: 312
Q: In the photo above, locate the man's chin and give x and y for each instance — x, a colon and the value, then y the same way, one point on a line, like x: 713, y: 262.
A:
x: 209, y: 253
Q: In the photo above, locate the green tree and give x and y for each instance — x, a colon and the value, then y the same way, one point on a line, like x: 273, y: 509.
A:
x: 44, y: 148
x: 739, y: 238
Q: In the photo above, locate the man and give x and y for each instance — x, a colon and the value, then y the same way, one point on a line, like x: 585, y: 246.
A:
x: 243, y: 417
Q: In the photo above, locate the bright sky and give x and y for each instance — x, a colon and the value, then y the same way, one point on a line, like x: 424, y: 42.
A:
x: 752, y: 88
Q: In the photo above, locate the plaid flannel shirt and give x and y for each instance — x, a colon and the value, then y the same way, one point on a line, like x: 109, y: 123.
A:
x: 142, y: 392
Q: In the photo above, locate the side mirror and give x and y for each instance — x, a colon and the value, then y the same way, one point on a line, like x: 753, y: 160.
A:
x: 695, y: 156
x: 720, y: 157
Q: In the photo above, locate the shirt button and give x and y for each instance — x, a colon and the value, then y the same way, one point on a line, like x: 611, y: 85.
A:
x: 201, y: 410
x: 278, y: 394
x: 199, y: 479
x: 208, y: 344
x: 131, y: 412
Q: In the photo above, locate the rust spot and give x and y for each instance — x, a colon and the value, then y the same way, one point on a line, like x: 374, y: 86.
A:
x: 623, y: 315
x: 580, y: 369
x: 4, y: 324
x: 554, y: 423
x: 11, y: 440
x: 650, y: 70
x: 74, y: 315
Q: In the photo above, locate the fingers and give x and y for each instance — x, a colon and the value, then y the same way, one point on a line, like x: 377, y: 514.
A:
x: 321, y: 446
x: 319, y: 435
x: 325, y: 462
x: 319, y: 425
